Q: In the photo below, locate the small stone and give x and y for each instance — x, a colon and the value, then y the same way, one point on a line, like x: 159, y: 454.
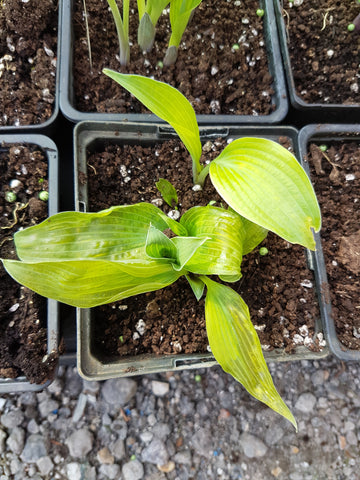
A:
x: 91, y: 387
x: 80, y: 443
x: 306, y: 402
x: 119, y: 391
x: 48, y: 406
x: 161, y: 430
x: 110, y: 472
x: 32, y: 426
x: 104, y: 456
x: 74, y: 471
x: 202, y: 441
x: 159, y: 388
x: 12, y: 419
x: 118, y: 449
x: 252, y: 446
x: 133, y: 470
x: 183, y: 457
x: 167, y: 468
x: 80, y: 408
x: 45, y: 465
x: 34, y: 449
x: 16, y: 440
x: 155, y: 453
x: 146, y: 436
x: 273, y: 435
x: 275, y: 472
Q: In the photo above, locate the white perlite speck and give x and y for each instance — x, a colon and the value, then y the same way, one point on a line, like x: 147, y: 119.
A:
x: 140, y: 326
x: 174, y: 214
x: 349, y: 177
x: 306, y: 284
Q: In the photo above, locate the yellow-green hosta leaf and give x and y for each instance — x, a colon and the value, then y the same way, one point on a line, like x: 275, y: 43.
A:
x: 167, y: 103
x: 264, y: 182
x: 197, y: 285
x: 221, y: 254
x: 235, y: 345
x: 186, y: 248
x: 88, y: 283
x: 180, y: 11
x: 113, y: 234
x: 254, y: 234
x: 158, y: 245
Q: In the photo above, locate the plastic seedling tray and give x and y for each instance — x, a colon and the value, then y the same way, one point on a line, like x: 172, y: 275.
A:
x: 91, y: 365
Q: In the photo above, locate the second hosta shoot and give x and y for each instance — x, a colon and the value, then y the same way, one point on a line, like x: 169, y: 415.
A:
x: 88, y: 259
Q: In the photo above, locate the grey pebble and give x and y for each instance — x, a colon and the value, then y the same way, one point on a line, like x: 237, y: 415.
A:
x: 118, y: 449
x: 133, y: 470
x: 252, y: 446
x: 80, y: 443
x: 306, y: 402
x: 159, y: 388
x: 203, y: 442
x: 110, y: 472
x: 34, y: 449
x: 45, y: 465
x: 3, y: 436
x: 16, y: 440
x: 155, y: 453
x: 119, y: 391
x: 12, y: 419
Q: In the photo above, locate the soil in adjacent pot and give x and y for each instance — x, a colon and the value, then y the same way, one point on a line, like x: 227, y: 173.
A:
x: 28, y: 44
x: 214, y: 77
x: 278, y: 287
x: 23, y: 332
x: 324, y: 54
x: 336, y: 176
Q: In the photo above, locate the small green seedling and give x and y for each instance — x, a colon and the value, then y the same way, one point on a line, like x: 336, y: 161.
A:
x: 149, y: 14
x: 122, y: 28
x: 10, y: 196
x: 351, y: 27
x: 263, y: 251
x: 168, y: 192
x: 89, y: 259
x: 260, y: 12
x: 180, y: 14
x: 323, y: 147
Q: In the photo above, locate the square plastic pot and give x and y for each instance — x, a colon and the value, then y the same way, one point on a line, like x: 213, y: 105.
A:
x: 308, y: 112
x: 323, y: 134
x: 21, y: 384
x: 87, y: 137
x: 67, y: 100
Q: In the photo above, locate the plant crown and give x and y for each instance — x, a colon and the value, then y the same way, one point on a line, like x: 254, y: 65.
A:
x: 89, y: 259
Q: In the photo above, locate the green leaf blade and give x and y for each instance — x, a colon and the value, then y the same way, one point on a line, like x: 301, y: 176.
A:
x: 118, y: 233
x: 167, y: 103
x: 221, y: 254
x: 90, y: 283
x: 235, y: 345
x: 263, y: 182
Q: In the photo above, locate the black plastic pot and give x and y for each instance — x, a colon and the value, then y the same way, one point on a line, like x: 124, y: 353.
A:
x: 47, y: 127
x: 67, y: 101
x: 87, y: 137
x: 308, y: 112
x: 323, y: 134
x: 21, y: 384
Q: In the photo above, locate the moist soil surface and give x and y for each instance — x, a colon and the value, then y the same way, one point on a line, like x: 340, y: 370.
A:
x: 324, y: 54
x: 23, y: 332
x: 336, y: 176
x: 278, y: 287
x: 28, y: 43
x: 214, y: 77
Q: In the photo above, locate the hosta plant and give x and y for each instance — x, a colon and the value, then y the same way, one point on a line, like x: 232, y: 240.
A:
x: 89, y: 259
x: 149, y: 13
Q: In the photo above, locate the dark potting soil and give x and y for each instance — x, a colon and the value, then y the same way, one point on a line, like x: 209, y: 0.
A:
x: 214, y: 77
x: 278, y: 287
x: 28, y: 43
x: 324, y: 54
x: 23, y: 332
x: 336, y: 176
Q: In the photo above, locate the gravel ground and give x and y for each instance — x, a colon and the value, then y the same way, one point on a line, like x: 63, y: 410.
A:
x: 189, y: 425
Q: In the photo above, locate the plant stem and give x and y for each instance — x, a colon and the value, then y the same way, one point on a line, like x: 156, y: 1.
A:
x: 122, y: 28
x: 201, y: 174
